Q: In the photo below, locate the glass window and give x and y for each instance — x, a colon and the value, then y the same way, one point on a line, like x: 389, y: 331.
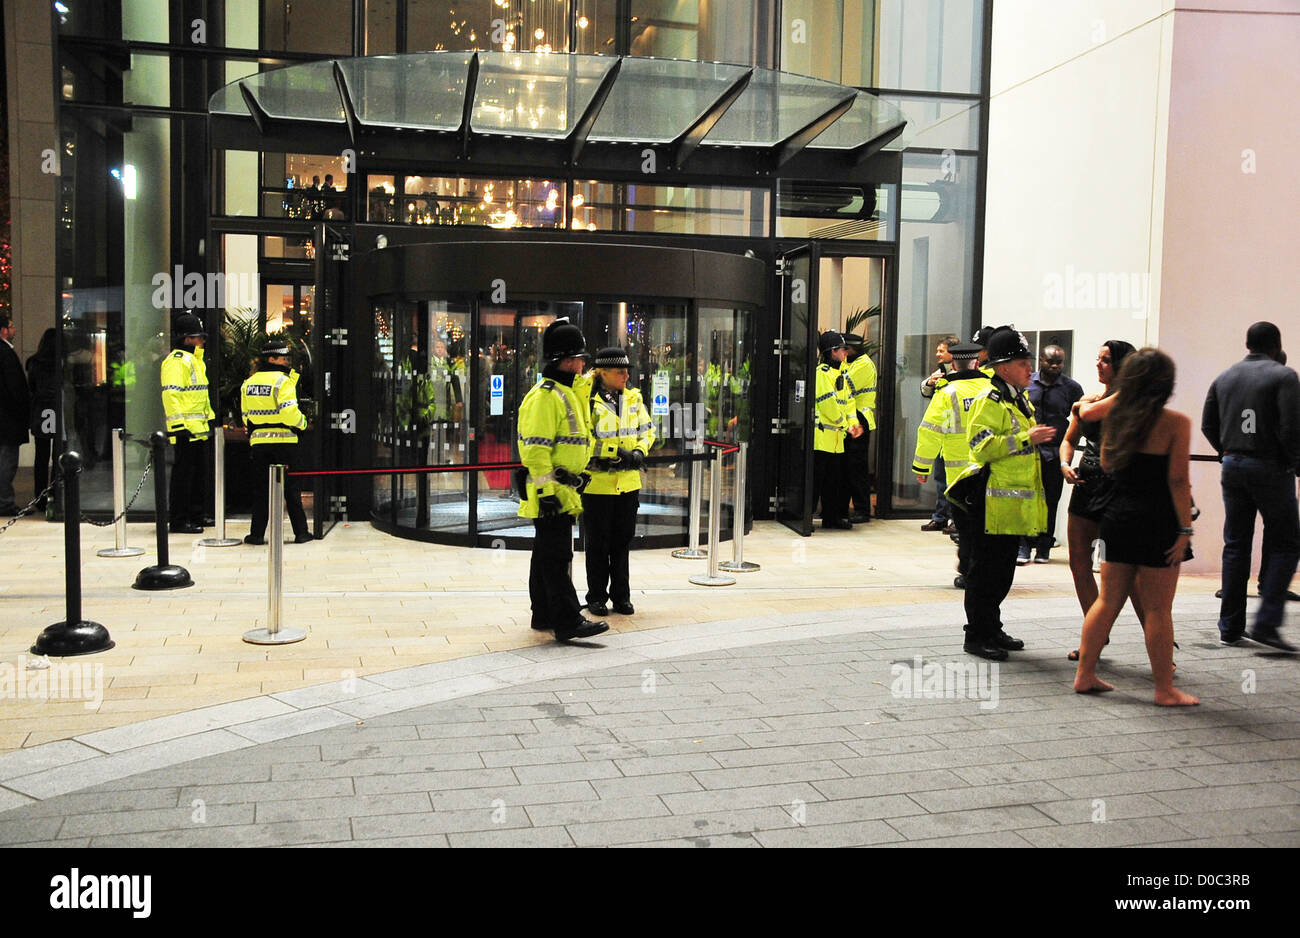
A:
x: 381, y: 26
x: 302, y: 185
x: 502, y: 25
x: 706, y: 30
x: 596, y: 26
x: 323, y: 26
x: 806, y: 210
x: 143, y: 20
x: 938, y: 123
x: 936, y: 259
x: 929, y: 45
x: 440, y: 200
x: 708, y: 210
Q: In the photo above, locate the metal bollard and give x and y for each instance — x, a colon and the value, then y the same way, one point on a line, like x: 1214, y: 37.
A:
x: 162, y: 575
x: 692, y: 549
x: 219, y: 493
x: 738, y: 563
x: 74, y: 635
x: 273, y: 634
x: 119, y: 501
x: 713, y: 577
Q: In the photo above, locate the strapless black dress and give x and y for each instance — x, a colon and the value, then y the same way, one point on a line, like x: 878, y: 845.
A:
x: 1139, y: 522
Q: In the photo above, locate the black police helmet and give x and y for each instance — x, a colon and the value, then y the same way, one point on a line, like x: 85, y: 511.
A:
x: 830, y: 340
x: 1006, y: 344
x: 853, y: 341
x: 981, y: 338
x: 188, y: 326
x: 561, y: 340
x: 275, y: 348
x: 612, y: 357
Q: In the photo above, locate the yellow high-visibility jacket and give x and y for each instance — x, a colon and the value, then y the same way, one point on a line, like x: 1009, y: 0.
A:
x: 833, y: 414
x: 998, y: 436
x: 269, y: 400
x: 184, y: 380
x: 943, y: 428
x: 629, y: 427
x: 861, y: 377
x: 553, y: 431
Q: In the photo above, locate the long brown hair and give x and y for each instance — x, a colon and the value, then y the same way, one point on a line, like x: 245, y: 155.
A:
x: 1144, y: 384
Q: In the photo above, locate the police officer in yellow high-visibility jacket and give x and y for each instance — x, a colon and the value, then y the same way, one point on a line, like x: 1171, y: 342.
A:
x: 1008, y: 502
x: 941, y: 438
x: 269, y: 400
x: 554, y: 446
x: 861, y: 377
x: 833, y: 419
x: 189, y: 416
x: 623, y: 437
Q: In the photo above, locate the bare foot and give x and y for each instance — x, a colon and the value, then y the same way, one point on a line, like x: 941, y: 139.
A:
x: 1176, y: 698
x: 1094, y: 686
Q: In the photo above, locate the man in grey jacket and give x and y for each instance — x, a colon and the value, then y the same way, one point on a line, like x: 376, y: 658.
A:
x: 1252, y: 418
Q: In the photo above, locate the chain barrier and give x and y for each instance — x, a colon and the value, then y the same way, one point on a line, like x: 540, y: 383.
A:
x: 108, y: 524
x: 35, y: 503
x: 31, y: 506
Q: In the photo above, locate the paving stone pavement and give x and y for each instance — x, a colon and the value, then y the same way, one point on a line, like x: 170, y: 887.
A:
x: 794, y: 730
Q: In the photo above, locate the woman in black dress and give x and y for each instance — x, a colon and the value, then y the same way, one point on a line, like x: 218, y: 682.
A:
x: 1146, y: 525
x: 1091, y: 485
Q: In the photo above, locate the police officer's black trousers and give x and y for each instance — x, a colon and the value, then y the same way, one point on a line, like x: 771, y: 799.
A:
x: 186, y: 501
x: 609, y: 524
x: 858, y: 469
x: 554, y: 600
x: 264, y: 456
x: 829, y: 485
x: 992, y: 569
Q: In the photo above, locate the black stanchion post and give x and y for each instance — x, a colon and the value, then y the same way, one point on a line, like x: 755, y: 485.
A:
x: 73, y: 636
x: 162, y: 575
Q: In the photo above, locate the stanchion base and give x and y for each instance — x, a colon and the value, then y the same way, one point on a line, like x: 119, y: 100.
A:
x: 707, y: 580
x: 688, y: 553
x: 62, y: 640
x: 219, y: 542
x: 743, y: 567
x: 158, y: 577
x: 282, y: 637
x: 120, y: 552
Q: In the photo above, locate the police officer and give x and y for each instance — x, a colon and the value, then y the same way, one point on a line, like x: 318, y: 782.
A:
x: 269, y: 401
x: 623, y: 437
x: 833, y: 419
x: 942, y: 434
x: 189, y: 415
x: 554, y: 446
x: 1000, y: 491
x: 861, y: 377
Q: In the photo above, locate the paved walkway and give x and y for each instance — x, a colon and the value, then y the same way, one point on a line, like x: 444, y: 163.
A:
x: 782, y: 729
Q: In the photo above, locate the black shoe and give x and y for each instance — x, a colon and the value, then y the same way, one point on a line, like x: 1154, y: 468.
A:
x: 984, y: 648
x: 249, y: 539
x: 1003, y: 640
x: 598, y: 609
x: 1231, y: 638
x: 959, y: 582
x: 624, y: 609
x: 859, y: 519
x: 950, y: 529
x: 1271, y: 639
x: 933, y: 526
x: 303, y: 538
x: 1292, y: 597
x: 185, y: 529
x: 583, y: 628
x: 1218, y: 594
x: 840, y: 525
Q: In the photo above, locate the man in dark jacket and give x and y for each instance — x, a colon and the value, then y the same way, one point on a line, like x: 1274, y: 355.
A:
x: 14, y: 407
x: 1252, y: 418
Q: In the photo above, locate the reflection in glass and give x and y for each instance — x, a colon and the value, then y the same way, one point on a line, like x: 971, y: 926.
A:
x: 707, y: 30
x: 712, y: 210
x: 439, y: 200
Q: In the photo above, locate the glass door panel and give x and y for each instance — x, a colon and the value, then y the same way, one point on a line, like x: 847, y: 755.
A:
x: 444, y: 397
x: 797, y: 385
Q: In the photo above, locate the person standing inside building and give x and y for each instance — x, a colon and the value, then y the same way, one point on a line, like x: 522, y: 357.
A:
x: 861, y: 378
x: 189, y: 415
x: 269, y: 401
x: 942, y: 435
x: 1002, y: 488
x: 43, y: 389
x: 941, y: 519
x: 623, y: 437
x: 15, y: 410
x: 1252, y: 419
x: 833, y: 419
x: 1052, y: 394
x: 554, y: 446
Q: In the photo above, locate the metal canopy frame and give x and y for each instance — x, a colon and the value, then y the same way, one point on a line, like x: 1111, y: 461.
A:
x: 688, y: 155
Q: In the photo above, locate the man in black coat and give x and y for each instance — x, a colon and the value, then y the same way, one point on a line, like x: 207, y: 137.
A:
x: 14, y: 406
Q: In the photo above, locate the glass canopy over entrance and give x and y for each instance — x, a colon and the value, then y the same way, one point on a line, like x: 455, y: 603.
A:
x: 597, y: 111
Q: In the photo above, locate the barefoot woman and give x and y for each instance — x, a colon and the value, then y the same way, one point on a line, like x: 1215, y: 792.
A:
x: 1147, y: 524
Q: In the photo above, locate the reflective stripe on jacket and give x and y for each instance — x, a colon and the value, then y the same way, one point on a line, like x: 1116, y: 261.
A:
x: 553, y: 431
x: 629, y: 428
x: 943, y: 428
x: 184, y: 380
x: 998, y: 435
x: 269, y: 401
x: 861, y: 377
x: 833, y: 414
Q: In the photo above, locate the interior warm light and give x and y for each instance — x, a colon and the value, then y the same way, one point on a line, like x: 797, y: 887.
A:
x: 578, y: 200
x: 583, y: 22
x: 539, y: 33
